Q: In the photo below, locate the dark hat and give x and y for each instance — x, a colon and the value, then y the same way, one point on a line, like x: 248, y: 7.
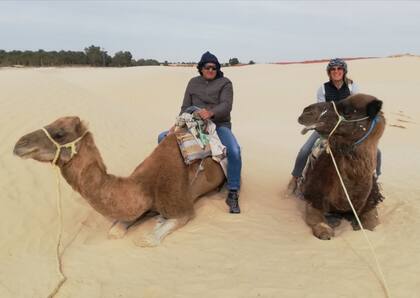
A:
x: 208, y: 57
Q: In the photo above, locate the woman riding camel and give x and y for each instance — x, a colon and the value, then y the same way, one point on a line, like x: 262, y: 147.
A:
x: 337, y: 88
x: 213, y: 94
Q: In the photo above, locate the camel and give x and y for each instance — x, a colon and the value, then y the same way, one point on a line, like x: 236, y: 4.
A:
x: 161, y: 184
x: 354, y: 144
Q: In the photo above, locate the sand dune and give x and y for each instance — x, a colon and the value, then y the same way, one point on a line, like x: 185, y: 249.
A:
x: 267, y: 251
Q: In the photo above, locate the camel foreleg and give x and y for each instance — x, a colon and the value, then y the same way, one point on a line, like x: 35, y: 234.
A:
x: 368, y: 219
x: 162, y: 229
x: 119, y: 229
x: 317, y: 221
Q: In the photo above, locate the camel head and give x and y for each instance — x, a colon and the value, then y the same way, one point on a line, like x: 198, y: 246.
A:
x: 38, y: 146
x: 358, y: 112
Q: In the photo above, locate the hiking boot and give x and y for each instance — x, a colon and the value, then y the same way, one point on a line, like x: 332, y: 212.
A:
x: 232, y: 201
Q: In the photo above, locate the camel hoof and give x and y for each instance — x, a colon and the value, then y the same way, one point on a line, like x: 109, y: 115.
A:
x: 147, y: 241
x: 117, y: 231
x: 323, y: 231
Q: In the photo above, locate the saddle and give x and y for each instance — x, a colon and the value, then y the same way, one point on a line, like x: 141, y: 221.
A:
x: 319, y: 147
x: 198, y: 139
x: 192, y: 137
x: 190, y: 148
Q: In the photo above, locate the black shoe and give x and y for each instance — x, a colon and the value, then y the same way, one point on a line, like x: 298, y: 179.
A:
x: 232, y: 201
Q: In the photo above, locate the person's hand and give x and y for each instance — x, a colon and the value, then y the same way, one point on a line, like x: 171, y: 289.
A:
x: 205, y: 114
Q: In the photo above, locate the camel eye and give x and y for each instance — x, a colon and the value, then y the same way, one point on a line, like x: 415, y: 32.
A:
x: 347, y: 110
x: 58, y: 135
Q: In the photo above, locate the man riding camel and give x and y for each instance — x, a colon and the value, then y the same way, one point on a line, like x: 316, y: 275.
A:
x: 213, y: 94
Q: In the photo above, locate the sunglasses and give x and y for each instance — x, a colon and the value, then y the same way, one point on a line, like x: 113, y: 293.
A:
x: 336, y: 68
x: 210, y: 68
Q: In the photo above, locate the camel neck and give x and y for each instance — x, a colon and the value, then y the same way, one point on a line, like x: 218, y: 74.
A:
x: 86, y: 173
x: 87, y: 162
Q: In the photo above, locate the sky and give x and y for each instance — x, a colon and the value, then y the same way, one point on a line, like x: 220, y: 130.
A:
x: 263, y: 31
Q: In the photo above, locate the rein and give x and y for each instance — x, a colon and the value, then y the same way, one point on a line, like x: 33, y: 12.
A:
x: 329, y: 151
x: 72, y: 146
x: 342, y: 119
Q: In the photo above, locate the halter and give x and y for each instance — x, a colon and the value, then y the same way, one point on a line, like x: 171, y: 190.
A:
x: 342, y: 119
x: 71, y: 145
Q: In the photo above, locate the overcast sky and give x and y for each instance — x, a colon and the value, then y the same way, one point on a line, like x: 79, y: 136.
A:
x: 264, y: 31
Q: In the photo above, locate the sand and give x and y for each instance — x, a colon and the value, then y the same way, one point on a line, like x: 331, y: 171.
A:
x: 267, y: 251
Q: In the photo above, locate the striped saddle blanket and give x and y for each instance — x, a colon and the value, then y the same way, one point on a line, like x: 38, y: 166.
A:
x: 190, y: 147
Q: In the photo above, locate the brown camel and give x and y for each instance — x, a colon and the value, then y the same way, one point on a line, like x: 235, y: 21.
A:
x: 354, y: 145
x: 162, y: 183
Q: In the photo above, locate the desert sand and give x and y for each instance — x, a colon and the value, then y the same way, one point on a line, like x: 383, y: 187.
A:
x: 266, y: 251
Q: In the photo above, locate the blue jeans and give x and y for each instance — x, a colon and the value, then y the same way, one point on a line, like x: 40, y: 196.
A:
x: 233, y: 155
x: 306, y: 150
x: 162, y: 135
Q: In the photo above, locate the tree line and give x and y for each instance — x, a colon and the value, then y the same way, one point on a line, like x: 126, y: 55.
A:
x: 92, y: 56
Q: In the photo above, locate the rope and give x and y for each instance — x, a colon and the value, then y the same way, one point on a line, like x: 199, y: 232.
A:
x: 329, y: 151
x: 72, y: 146
x: 199, y: 169
x: 384, y: 283
x: 63, y: 278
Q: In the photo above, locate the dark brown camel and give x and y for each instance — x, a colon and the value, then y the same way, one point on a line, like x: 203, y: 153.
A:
x: 354, y: 145
x: 161, y: 183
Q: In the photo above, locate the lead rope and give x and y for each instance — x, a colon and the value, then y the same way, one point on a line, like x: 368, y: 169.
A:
x: 72, y: 146
x: 63, y: 278
x: 329, y: 151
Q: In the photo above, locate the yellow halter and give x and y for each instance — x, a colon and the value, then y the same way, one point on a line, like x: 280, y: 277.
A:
x: 71, y: 145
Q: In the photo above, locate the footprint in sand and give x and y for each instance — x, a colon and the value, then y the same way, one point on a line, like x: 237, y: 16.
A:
x: 401, y: 120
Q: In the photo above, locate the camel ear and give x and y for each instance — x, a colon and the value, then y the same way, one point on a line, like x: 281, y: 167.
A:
x: 373, y: 108
x: 78, y: 126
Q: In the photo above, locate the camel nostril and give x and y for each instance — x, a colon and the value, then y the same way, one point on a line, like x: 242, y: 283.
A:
x: 16, y: 150
x: 22, y: 143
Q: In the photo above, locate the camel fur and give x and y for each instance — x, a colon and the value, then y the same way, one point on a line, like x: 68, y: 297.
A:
x: 320, y: 186
x: 162, y: 183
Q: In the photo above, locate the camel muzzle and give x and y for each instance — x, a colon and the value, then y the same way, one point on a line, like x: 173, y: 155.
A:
x: 21, y: 148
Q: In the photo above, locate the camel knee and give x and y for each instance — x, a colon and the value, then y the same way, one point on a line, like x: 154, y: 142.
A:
x: 370, y: 219
x: 317, y: 221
